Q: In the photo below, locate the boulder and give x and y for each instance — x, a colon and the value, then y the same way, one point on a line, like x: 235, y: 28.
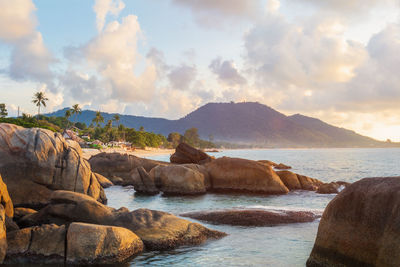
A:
x: 202, y: 170
x: 158, y: 230
x: 3, y: 239
x: 332, y: 188
x: 308, y: 183
x: 103, y: 181
x: 252, y: 217
x: 120, y: 165
x: 185, y: 153
x: 178, y: 179
x: 282, y: 166
x: 19, y: 213
x: 99, y: 244
x: 143, y: 182
x: 11, y: 225
x: 268, y: 162
x: 289, y: 179
x: 235, y: 174
x: 34, y: 162
x: 37, y: 245
x: 5, y: 199
x: 360, y: 226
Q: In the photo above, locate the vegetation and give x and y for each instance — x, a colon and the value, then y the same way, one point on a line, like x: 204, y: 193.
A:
x: 39, y: 99
x: 3, y: 110
x: 190, y: 137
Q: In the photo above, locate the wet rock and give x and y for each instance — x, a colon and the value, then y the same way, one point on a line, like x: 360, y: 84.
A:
x: 360, y: 226
x: 308, y: 183
x: 235, y: 174
x: 290, y: 179
x: 143, y: 182
x: 332, y: 188
x: 99, y: 244
x: 252, y: 217
x: 282, y: 166
x: 103, y: 181
x: 34, y: 162
x: 185, y: 153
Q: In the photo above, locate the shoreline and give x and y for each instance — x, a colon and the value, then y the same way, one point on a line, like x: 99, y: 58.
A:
x: 88, y: 152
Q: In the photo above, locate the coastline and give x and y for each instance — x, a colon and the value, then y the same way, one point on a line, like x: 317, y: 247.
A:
x: 88, y: 152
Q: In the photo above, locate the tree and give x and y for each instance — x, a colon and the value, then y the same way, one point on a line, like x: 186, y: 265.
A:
x: 3, y: 110
x: 116, y: 118
x: 174, y: 139
x: 98, y: 118
x: 141, y: 129
x: 76, y: 110
x: 67, y: 115
x: 39, y: 99
x: 191, y: 136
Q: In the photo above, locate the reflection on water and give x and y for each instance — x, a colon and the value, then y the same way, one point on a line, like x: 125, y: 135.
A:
x: 285, y: 245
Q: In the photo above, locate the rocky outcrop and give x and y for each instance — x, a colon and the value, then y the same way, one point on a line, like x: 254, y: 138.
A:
x: 157, y: 230
x: 307, y: 183
x: 3, y: 240
x: 290, y: 179
x: 178, y: 179
x: 77, y: 243
x: 185, y: 153
x: 332, y: 188
x: 34, y: 162
x: 252, y: 217
x: 5, y: 199
x: 103, y: 181
x: 143, y: 182
x: 121, y: 166
x: 360, y: 226
x: 99, y: 244
x: 235, y: 174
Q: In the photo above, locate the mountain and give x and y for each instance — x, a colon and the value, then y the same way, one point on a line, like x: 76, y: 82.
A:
x: 246, y: 123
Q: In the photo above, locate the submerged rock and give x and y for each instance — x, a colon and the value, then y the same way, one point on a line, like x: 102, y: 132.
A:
x: 332, y: 188
x: 34, y: 162
x: 252, y: 217
x: 360, y: 226
x: 158, y: 230
x: 235, y: 174
x: 185, y: 153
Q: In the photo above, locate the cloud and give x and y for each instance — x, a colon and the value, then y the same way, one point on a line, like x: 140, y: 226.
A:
x: 182, y: 76
x: 30, y: 59
x: 103, y: 7
x: 211, y: 13
x: 226, y: 72
x: 350, y: 6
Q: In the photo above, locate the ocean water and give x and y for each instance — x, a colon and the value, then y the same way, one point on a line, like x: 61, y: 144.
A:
x: 285, y: 245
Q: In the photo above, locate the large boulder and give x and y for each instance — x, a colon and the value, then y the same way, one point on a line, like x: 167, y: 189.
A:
x: 235, y: 174
x: 99, y: 244
x: 307, y: 183
x: 185, y: 153
x: 158, y: 230
x: 120, y: 165
x: 252, y: 217
x: 3, y: 239
x: 143, y: 182
x: 39, y: 244
x: 332, y: 187
x: 5, y: 199
x: 178, y: 179
x: 290, y: 179
x: 360, y: 226
x: 34, y: 162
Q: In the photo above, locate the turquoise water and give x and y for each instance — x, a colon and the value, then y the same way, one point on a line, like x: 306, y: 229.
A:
x: 287, y: 245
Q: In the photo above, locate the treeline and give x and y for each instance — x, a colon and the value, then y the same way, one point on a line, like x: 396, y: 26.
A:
x: 190, y: 137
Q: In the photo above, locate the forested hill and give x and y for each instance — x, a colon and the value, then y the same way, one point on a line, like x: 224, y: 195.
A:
x: 247, y: 123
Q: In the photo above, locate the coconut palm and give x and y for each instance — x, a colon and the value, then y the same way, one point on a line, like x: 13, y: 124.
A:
x: 39, y: 99
x: 67, y: 115
x: 116, y: 118
x: 98, y: 118
x: 76, y: 110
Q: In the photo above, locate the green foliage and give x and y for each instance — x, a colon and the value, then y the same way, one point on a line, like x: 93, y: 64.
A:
x: 175, y: 139
x: 3, y: 110
x: 81, y: 125
x: 39, y: 99
x: 30, y: 122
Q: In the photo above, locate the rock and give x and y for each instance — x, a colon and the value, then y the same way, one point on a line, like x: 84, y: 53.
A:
x: 40, y: 244
x: 289, y: 179
x: 3, y: 239
x: 268, y: 162
x: 11, y: 225
x: 360, y: 226
x: 178, y: 179
x: 118, y: 180
x: 235, y: 174
x: 282, y: 166
x: 158, y: 230
x: 21, y: 212
x: 5, y: 199
x: 332, y: 188
x: 120, y: 165
x: 185, y: 153
x: 143, y: 182
x: 162, y: 231
x: 99, y: 244
x: 252, y: 217
x: 202, y: 170
x: 308, y: 183
x: 34, y: 162
x: 103, y: 181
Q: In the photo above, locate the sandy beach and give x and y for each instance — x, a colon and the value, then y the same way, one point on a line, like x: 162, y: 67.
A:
x: 88, y: 152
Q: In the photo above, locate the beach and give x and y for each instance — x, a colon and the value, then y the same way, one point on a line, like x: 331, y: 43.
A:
x: 148, y: 152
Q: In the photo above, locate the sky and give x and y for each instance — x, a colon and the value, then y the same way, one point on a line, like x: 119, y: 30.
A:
x: 336, y: 60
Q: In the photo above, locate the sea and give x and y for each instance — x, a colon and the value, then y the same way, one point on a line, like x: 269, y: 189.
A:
x: 284, y: 245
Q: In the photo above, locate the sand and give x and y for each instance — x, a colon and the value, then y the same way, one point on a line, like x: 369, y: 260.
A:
x: 148, y: 152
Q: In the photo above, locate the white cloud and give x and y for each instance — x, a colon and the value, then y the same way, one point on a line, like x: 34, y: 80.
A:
x: 227, y: 72
x: 181, y: 77
x: 103, y: 7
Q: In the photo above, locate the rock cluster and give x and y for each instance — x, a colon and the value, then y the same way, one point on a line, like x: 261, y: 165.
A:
x: 184, y: 153
x: 360, y: 226
x: 34, y: 162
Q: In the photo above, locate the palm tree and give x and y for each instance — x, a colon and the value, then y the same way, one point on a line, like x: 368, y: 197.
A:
x: 98, y: 118
x: 116, y: 118
x: 39, y: 99
x: 67, y: 115
x: 76, y: 110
